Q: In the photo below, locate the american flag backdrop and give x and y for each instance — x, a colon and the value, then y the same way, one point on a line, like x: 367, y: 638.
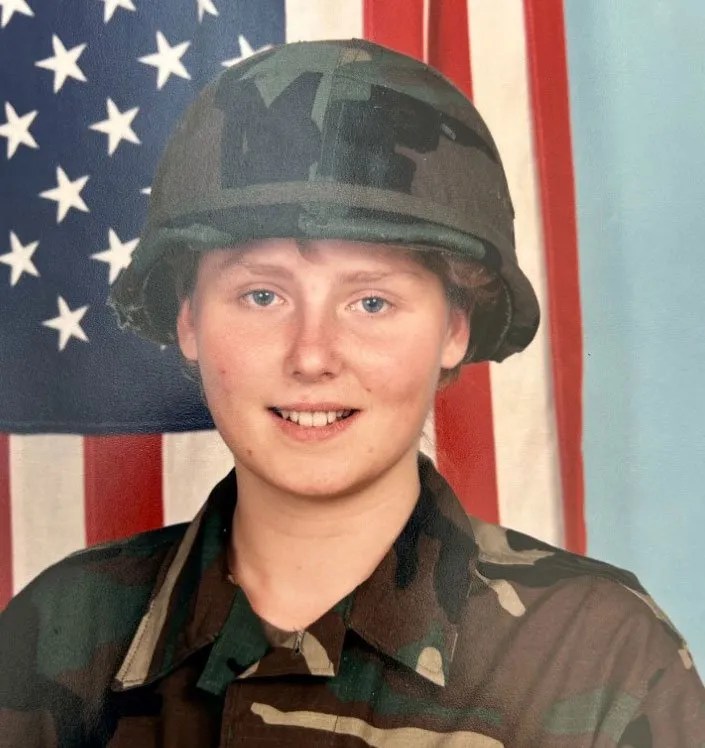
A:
x: 102, y: 435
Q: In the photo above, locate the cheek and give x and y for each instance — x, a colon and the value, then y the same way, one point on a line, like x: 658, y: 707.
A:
x: 222, y: 358
x: 400, y: 368
x: 407, y: 369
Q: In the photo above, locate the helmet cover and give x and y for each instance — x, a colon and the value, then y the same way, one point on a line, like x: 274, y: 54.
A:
x: 331, y: 140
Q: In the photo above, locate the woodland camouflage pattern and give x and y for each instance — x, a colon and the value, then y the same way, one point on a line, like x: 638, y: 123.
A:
x: 466, y: 634
x: 331, y: 140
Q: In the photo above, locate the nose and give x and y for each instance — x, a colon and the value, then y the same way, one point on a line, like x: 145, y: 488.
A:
x: 314, y: 343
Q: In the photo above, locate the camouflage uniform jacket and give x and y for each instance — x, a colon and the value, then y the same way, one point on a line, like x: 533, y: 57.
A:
x: 466, y: 634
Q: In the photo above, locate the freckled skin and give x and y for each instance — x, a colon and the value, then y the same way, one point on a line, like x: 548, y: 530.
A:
x: 314, y: 340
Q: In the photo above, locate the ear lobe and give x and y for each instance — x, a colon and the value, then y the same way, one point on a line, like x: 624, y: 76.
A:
x: 186, y: 331
x: 457, y: 338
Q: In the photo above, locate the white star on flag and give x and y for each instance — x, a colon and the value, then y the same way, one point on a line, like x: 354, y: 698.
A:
x: 67, y: 194
x: 245, y: 52
x: 112, y: 5
x: 10, y: 7
x: 117, y: 126
x: 118, y: 256
x: 16, y: 130
x: 167, y: 60
x: 206, y: 6
x: 63, y: 63
x: 20, y: 259
x: 67, y: 323
x: 146, y: 191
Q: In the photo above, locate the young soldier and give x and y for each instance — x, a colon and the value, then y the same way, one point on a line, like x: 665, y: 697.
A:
x: 329, y: 240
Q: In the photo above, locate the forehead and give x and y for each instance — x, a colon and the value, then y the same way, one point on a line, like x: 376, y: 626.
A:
x: 332, y: 253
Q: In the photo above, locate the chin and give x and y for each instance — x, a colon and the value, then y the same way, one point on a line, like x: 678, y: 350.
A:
x: 328, y: 481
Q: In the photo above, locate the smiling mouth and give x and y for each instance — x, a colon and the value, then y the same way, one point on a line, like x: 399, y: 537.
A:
x: 313, y: 419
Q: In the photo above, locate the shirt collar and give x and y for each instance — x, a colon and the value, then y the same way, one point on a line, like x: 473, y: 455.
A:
x: 409, y: 608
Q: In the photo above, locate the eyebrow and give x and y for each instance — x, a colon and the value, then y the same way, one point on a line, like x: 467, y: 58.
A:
x: 358, y: 276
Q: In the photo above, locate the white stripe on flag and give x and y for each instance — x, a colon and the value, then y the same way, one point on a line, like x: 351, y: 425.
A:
x: 322, y: 19
x: 48, y: 521
x: 426, y: 21
x: 192, y: 463
x: 528, y: 476
x: 428, y: 440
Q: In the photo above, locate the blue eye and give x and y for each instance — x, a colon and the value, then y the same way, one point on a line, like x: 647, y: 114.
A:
x: 260, y: 294
x: 378, y: 302
x: 262, y: 297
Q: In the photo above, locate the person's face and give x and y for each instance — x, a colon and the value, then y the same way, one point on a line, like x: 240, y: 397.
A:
x: 348, y: 324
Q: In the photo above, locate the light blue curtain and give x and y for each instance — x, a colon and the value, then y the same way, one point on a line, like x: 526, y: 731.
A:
x: 637, y: 88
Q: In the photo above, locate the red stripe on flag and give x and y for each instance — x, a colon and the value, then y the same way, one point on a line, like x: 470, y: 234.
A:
x: 5, y: 523
x: 550, y: 104
x: 465, y: 441
x: 448, y: 42
x: 465, y: 446
x: 396, y: 25
x: 123, y: 486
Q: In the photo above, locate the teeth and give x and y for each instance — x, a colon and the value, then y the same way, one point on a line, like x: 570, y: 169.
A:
x: 314, y: 419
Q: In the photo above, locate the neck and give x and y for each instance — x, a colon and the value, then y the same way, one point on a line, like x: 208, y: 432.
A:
x: 295, y: 556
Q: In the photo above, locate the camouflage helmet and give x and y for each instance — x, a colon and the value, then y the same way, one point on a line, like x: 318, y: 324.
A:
x: 331, y: 140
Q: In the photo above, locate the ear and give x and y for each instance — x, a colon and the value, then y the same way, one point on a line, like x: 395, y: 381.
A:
x: 457, y: 338
x: 186, y: 330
